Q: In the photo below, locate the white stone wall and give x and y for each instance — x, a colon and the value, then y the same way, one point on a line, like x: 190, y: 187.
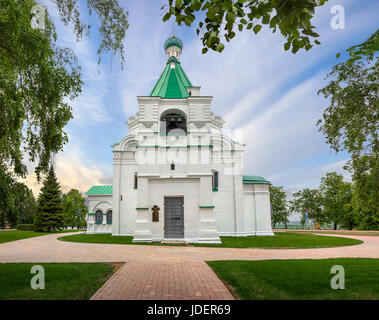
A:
x: 257, y: 202
x: 95, y: 203
x: 234, y: 210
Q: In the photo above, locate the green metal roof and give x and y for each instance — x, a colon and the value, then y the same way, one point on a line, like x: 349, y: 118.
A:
x: 100, y: 190
x: 172, y: 83
x: 254, y: 179
x: 173, y: 41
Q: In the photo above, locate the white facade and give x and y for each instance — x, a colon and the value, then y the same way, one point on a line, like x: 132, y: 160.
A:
x: 176, y: 157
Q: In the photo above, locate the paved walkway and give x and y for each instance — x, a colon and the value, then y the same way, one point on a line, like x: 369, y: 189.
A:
x: 193, y: 280
x: 159, y: 272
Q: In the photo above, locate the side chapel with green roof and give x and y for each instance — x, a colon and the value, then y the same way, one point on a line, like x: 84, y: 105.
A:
x: 177, y: 176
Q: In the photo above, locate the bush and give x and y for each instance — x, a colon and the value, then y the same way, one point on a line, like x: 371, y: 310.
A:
x: 25, y: 227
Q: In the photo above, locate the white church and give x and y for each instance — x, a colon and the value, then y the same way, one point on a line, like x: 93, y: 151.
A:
x: 177, y: 176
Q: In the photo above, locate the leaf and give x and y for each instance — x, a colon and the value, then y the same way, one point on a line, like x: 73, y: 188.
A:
x: 178, y: 3
x: 230, y: 17
x: 220, y: 47
x: 287, y: 45
x: 188, y: 21
x: 166, y: 16
x: 257, y: 28
x: 338, y: 55
x: 266, y: 19
x: 204, y: 51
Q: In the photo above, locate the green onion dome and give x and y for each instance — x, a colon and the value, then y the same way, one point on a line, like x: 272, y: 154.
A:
x: 173, y: 41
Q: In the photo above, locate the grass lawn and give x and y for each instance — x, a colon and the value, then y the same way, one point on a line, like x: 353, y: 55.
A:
x: 299, y: 279
x: 281, y: 240
x: 12, y: 235
x: 6, y: 236
x: 63, y: 281
x: 108, y: 239
x: 350, y: 233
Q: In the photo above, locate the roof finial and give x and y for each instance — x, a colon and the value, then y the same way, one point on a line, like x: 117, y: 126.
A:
x: 173, y: 29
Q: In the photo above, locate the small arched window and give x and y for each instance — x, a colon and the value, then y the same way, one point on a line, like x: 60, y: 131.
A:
x: 215, y: 180
x: 109, y: 217
x: 135, y: 180
x: 99, y: 217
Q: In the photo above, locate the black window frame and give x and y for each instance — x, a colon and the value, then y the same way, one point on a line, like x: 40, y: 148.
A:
x: 215, y: 180
x: 135, y: 181
x: 99, y: 217
x: 109, y: 216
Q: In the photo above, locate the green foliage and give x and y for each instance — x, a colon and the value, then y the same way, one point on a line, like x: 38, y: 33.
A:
x: 278, y: 206
x: 74, y: 209
x: 291, y: 17
x: 49, y: 214
x: 36, y: 79
x: 336, y: 200
x: 25, y: 227
x: 112, y: 28
x: 365, y: 49
x: 18, y: 205
x: 24, y: 204
x: 308, y: 201
x: 351, y: 123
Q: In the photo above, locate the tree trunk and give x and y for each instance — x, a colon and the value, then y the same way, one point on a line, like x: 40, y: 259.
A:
x: 335, y: 226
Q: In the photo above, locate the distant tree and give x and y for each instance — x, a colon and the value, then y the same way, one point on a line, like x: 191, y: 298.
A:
x: 23, y: 205
x: 278, y: 205
x: 349, y: 218
x: 351, y: 123
x: 74, y: 209
x: 336, y: 198
x: 308, y: 202
x: 49, y: 215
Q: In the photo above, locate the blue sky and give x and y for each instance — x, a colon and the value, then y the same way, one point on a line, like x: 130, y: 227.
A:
x: 258, y: 87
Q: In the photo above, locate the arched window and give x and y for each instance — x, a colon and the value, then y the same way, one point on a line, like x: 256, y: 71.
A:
x: 109, y: 217
x: 215, y: 180
x: 135, y: 180
x: 173, y: 123
x: 99, y: 217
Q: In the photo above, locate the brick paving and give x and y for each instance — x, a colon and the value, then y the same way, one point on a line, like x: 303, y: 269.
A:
x: 136, y: 280
x: 159, y: 272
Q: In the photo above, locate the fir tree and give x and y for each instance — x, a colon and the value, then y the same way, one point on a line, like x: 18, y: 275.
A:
x: 49, y: 214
